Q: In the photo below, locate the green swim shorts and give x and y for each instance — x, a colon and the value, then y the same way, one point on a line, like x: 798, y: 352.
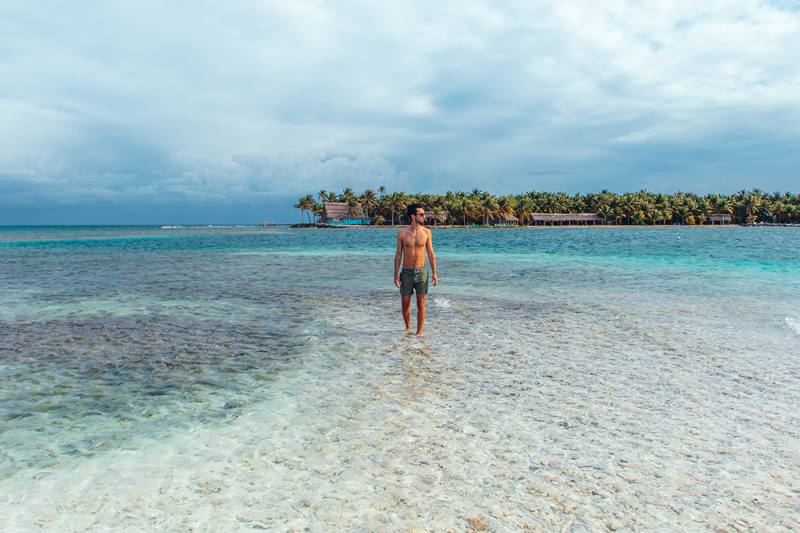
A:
x: 414, y: 279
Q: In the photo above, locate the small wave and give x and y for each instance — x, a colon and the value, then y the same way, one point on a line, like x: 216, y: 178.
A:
x: 444, y: 303
x: 793, y: 324
x: 170, y: 227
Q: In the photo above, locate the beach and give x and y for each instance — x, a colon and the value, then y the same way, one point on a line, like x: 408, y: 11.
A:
x: 229, y: 379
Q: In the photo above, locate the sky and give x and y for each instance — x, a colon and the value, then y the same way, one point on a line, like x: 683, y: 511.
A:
x: 226, y: 112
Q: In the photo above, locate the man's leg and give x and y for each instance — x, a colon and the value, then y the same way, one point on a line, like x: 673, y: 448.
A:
x: 420, y: 313
x: 406, y: 301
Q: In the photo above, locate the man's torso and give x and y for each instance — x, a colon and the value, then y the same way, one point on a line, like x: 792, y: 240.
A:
x: 414, y: 246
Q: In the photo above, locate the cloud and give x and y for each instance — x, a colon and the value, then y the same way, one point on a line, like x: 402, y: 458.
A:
x: 548, y: 173
x: 198, y: 103
x: 250, y: 177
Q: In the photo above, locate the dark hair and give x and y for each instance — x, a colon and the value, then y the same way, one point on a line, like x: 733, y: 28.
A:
x: 412, y: 209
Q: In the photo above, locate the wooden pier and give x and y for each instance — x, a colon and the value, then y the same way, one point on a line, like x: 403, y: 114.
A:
x: 305, y: 225
x: 770, y: 225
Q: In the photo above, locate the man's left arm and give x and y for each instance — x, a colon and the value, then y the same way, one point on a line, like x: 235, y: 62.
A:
x: 432, y: 258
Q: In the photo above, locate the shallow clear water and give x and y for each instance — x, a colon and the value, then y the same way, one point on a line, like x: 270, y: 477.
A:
x: 217, y: 378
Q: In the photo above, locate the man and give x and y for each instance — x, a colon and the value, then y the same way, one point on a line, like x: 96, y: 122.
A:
x: 412, y: 242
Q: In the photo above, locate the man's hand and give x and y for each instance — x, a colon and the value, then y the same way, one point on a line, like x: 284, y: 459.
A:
x: 397, y: 280
x: 435, y: 279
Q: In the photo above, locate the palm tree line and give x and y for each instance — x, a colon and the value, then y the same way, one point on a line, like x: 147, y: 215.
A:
x: 632, y: 208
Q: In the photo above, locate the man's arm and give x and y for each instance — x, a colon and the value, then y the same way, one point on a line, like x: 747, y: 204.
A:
x: 398, y: 257
x: 432, y: 257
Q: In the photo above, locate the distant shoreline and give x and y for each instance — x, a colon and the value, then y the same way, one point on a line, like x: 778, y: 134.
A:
x: 521, y: 226
x: 534, y: 207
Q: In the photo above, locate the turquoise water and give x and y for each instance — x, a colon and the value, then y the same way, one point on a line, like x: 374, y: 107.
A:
x: 143, y: 352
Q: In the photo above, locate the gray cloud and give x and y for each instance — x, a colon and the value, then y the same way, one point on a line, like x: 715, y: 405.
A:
x: 198, y: 104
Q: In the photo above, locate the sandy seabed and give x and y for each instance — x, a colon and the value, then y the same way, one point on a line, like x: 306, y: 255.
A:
x: 506, y: 417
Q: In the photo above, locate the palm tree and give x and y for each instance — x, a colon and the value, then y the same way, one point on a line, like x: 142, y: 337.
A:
x: 396, y: 203
x: 768, y: 208
x: 791, y: 212
x: 605, y: 212
x: 506, y: 205
x: 488, y: 208
x: 308, y: 203
x: 780, y: 209
x: 723, y: 205
x: 684, y: 213
x: 305, y: 203
x: 299, y: 205
x: 638, y: 217
x: 618, y: 214
x: 553, y: 204
x: 524, y: 209
x: 317, y: 210
x: 426, y: 200
x: 750, y: 204
x: 352, y: 207
x: 456, y: 208
x: 628, y: 204
x: 693, y: 208
x: 481, y: 205
x: 368, y: 200
x: 472, y: 208
x: 705, y: 207
x: 437, y: 214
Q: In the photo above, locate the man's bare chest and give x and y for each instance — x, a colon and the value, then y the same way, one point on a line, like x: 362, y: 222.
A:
x: 415, y: 241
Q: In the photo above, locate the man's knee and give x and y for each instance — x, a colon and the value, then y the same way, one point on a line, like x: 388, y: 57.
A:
x: 420, y: 301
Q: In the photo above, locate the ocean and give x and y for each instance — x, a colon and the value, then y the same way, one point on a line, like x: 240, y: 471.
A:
x: 246, y: 378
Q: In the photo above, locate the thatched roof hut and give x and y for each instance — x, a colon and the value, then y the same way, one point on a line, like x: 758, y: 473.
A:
x: 576, y: 218
x: 505, y: 220
x: 723, y: 218
x: 338, y: 212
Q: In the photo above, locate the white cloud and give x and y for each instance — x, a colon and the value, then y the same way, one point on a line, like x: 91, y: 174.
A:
x: 249, y: 177
x: 192, y: 102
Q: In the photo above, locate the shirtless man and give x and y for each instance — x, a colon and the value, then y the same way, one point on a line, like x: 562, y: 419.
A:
x: 412, y: 242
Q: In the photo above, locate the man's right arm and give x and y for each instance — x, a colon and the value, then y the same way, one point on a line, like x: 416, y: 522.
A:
x: 398, y: 257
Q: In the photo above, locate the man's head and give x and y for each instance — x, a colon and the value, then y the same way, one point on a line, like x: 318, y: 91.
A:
x: 416, y: 211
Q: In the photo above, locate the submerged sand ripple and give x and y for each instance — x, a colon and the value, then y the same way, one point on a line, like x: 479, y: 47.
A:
x: 540, y: 419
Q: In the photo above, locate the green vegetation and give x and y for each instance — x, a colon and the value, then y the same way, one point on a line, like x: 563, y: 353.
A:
x: 477, y: 207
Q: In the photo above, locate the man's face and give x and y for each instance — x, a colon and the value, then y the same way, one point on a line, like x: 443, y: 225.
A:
x: 420, y: 215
